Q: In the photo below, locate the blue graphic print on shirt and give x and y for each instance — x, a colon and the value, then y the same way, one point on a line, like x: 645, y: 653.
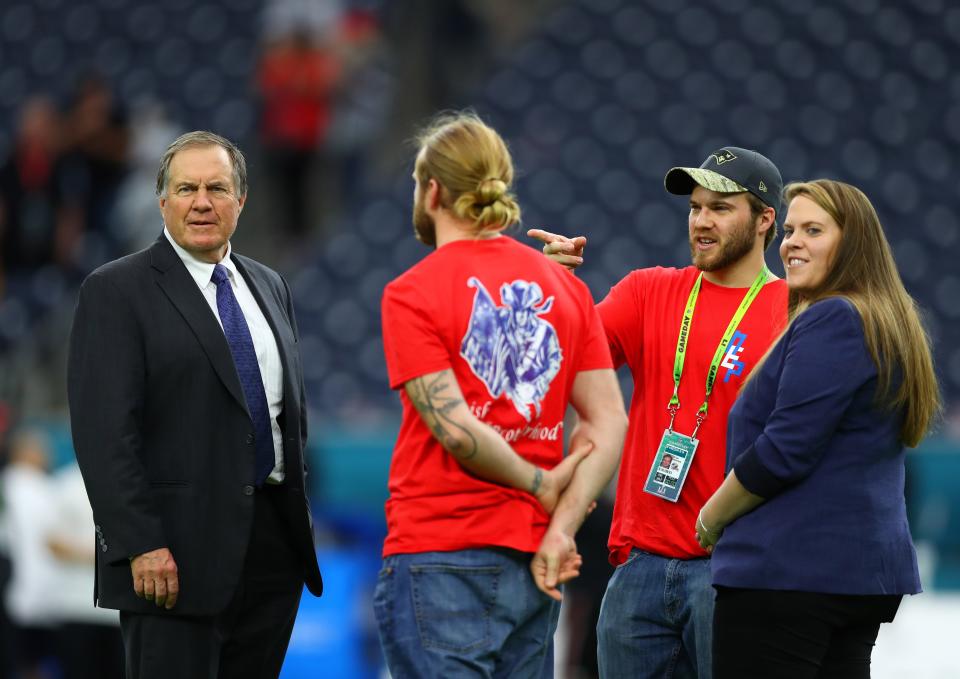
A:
x: 510, y: 348
x: 731, y: 359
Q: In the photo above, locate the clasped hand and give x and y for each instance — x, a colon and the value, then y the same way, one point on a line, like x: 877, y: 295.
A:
x: 552, y: 482
x: 555, y: 562
x: 707, y: 536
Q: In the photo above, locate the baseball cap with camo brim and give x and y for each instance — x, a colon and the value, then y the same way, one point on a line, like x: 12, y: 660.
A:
x: 730, y: 170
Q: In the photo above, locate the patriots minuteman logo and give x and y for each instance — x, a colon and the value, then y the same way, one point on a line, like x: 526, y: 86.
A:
x: 511, y: 349
x: 724, y: 156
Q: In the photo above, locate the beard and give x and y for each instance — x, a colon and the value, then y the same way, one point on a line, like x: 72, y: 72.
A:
x: 731, y: 249
x: 424, y: 227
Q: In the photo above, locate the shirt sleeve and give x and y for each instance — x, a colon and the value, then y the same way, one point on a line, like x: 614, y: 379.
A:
x: 411, y: 343
x: 826, y: 363
x: 596, y: 350
x: 622, y: 314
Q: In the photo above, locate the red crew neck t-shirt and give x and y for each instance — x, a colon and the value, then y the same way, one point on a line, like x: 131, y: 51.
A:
x: 641, y: 316
x: 515, y: 328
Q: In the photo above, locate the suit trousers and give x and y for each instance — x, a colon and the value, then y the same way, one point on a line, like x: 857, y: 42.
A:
x: 796, y: 635
x: 90, y: 651
x: 249, y: 639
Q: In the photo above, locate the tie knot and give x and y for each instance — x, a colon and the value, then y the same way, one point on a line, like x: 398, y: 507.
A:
x: 220, y: 275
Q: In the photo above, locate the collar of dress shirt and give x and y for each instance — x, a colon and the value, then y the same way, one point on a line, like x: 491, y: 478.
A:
x: 199, y: 270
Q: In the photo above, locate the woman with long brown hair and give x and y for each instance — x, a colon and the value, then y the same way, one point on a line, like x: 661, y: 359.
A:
x: 813, y: 551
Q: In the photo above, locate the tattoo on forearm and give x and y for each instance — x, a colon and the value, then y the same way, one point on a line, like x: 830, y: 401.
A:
x: 434, y: 406
x: 537, y: 480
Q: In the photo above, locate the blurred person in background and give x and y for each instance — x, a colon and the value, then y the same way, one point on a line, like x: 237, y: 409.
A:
x: 189, y: 423
x: 487, y: 343
x: 134, y: 220
x: 583, y: 595
x: 6, y: 569
x: 708, y: 324
x: 439, y: 57
x: 96, y: 140
x: 811, y: 546
x: 363, y: 102
x: 29, y: 503
x: 32, y: 225
x: 88, y: 638
x: 295, y: 79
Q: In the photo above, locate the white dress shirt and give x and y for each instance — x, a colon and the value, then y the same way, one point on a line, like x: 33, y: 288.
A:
x: 264, y: 343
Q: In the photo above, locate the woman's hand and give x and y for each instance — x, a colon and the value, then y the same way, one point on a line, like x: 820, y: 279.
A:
x: 707, y: 535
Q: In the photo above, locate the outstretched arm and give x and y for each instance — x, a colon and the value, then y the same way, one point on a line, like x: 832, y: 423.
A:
x: 477, y: 447
x: 601, y: 428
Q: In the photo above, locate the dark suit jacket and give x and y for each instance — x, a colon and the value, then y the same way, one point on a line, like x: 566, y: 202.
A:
x: 162, y: 433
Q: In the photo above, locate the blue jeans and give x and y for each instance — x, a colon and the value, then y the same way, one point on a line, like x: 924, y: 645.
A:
x: 469, y: 613
x: 656, y: 620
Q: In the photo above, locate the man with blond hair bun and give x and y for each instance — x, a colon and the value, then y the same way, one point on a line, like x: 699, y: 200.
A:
x: 487, y: 342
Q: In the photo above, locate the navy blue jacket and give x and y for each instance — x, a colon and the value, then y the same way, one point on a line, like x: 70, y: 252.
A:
x: 806, y: 435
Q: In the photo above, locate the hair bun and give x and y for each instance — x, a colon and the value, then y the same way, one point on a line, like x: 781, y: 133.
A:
x: 490, y: 191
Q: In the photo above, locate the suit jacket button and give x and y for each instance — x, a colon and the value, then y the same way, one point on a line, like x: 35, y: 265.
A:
x: 248, y: 490
x: 103, y: 547
x: 249, y: 438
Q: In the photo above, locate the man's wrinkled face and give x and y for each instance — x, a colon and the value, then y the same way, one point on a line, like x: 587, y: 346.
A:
x: 200, y: 205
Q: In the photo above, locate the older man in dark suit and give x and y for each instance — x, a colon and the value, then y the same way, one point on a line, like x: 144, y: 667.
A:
x: 187, y: 407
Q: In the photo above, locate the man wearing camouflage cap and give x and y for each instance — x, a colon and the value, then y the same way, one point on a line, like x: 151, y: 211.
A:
x: 690, y: 337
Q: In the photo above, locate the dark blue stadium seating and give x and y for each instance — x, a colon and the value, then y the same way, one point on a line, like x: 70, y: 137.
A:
x: 597, y: 103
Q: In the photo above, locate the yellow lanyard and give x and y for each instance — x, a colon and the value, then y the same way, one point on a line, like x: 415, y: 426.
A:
x: 745, y: 303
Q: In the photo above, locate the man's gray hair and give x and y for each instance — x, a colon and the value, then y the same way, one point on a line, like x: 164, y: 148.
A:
x: 204, y: 138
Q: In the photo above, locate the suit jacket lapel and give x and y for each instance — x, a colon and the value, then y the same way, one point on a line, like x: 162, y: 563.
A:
x: 182, y: 290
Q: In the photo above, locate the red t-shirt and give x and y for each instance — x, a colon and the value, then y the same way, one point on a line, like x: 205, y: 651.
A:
x: 641, y: 316
x: 515, y: 328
